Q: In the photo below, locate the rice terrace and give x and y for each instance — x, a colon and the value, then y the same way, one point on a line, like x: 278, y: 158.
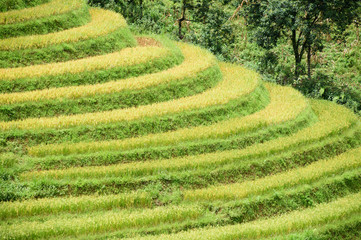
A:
x: 110, y: 134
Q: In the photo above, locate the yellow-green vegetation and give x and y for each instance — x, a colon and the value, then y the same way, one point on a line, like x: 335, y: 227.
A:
x: 103, y: 22
x: 297, y: 220
x: 47, y: 206
x: 101, y: 222
x: 348, y: 160
x: 272, y: 114
x: 153, y: 139
x: 232, y: 87
x: 123, y: 58
x: 196, y: 60
x: 51, y: 8
x: 313, y: 133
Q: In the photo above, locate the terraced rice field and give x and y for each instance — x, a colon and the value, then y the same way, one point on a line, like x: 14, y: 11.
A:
x: 104, y: 134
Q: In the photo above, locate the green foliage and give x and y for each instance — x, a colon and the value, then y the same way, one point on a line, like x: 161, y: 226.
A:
x: 8, y: 160
x: 214, y: 31
x: 302, y: 22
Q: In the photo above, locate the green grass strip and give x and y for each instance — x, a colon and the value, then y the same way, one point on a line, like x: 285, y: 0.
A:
x: 128, y: 62
x: 293, y: 103
x: 294, y: 221
x: 53, y: 7
x: 232, y: 87
x: 308, y: 135
x: 20, y: 4
x: 312, y: 172
x: 98, y: 223
x: 102, y: 22
x: 73, y: 18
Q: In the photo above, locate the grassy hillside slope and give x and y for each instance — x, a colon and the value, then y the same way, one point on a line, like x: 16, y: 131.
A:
x: 108, y: 135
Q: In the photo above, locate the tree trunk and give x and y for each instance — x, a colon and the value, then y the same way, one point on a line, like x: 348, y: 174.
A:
x: 309, y: 61
x: 180, y: 28
x: 296, y: 54
x: 297, y: 68
x: 141, y: 8
x: 180, y: 21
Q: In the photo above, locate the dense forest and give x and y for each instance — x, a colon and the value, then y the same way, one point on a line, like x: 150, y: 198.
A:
x: 322, y: 59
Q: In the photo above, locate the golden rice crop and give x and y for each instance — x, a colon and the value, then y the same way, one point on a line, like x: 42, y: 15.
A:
x: 54, y: 7
x: 237, y: 82
x: 332, y: 118
x: 80, y: 204
x: 293, y: 221
x: 103, y: 22
x: 101, y: 222
x: 123, y: 58
x: 286, y: 104
x: 196, y: 60
x: 348, y: 160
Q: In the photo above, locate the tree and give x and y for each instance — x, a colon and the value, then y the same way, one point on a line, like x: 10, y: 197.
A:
x: 185, y: 6
x: 303, y: 22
